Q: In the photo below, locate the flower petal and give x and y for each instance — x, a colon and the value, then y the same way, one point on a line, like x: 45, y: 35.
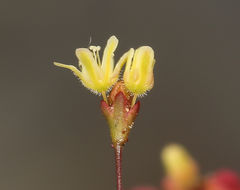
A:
x: 138, y: 75
x: 107, y: 61
x: 77, y: 73
x: 143, y: 61
x: 126, y: 57
x: 90, y: 69
x: 70, y: 67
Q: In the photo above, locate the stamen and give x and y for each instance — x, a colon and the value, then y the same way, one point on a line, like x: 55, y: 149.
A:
x: 95, y: 50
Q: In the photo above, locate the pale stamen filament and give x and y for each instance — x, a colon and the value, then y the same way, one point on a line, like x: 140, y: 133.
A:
x: 95, y: 50
x: 98, y: 57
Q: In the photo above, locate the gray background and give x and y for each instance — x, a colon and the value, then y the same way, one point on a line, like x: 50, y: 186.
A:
x: 52, y: 133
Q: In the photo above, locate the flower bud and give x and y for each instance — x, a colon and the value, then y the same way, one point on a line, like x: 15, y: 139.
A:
x: 181, y: 169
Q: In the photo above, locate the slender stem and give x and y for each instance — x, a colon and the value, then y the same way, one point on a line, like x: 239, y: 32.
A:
x: 118, y: 162
x: 134, y: 100
x: 104, y: 96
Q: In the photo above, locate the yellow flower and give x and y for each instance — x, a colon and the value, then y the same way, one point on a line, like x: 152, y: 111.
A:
x: 138, y: 75
x: 96, y: 75
x: 181, y: 168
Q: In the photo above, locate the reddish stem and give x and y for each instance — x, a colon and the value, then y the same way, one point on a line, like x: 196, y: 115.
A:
x: 118, y: 162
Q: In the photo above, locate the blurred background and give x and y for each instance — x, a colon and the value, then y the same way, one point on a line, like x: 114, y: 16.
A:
x: 52, y: 132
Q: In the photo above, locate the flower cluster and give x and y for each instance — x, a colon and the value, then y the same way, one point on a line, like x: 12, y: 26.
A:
x: 101, y: 75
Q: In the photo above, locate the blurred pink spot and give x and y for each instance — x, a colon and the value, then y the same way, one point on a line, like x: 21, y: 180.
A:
x: 223, y: 180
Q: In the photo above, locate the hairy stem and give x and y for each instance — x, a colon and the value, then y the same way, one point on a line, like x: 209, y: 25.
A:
x: 118, y: 162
